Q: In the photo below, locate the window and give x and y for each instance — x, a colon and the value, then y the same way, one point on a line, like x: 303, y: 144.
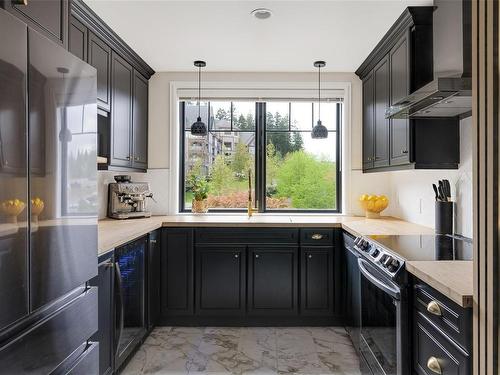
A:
x: 272, y: 141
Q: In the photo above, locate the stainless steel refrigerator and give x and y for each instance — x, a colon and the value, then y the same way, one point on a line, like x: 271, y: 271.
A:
x: 48, y: 205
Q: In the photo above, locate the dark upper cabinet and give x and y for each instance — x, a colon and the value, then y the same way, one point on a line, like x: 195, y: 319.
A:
x: 50, y: 17
x: 368, y: 121
x: 99, y: 56
x: 399, y: 58
x: 140, y: 122
x: 121, y: 112
x: 272, y: 280
x: 78, y: 39
x: 177, y: 289
x: 104, y: 282
x: 154, y: 274
x: 400, y: 64
x: 317, y: 280
x: 381, y: 124
x: 220, y: 280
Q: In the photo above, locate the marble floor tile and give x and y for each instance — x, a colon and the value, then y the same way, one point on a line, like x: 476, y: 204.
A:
x: 246, y: 350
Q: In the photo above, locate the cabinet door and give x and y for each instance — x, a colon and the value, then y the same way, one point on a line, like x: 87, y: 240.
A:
x: 37, y: 116
x: 368, y: 122
x: 220, y: 284
x: 316, y: 286
x: 352, y: 294
x: 100, y: 58
x: 400, y: 78
x: 177, y: 294
x: 78, y: 39
x: 272, y: 281
x: 154, y: 272
x: 381, y: 124
x: 104, y: 282
x: 140, y: 122
x: 46, y: 16
x: 121, y: 112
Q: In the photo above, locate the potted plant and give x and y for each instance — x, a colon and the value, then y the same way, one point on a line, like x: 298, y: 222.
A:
x: 199, y: 187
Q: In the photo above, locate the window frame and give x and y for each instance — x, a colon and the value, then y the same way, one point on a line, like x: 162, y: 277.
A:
x: 260, y: 159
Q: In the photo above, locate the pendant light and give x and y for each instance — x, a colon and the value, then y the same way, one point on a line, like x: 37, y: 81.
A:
x: 319, y: 131
x: 199, y: 128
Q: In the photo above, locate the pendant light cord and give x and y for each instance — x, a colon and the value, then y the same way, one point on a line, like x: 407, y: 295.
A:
x: 199, y: 91
x: 319, y: 93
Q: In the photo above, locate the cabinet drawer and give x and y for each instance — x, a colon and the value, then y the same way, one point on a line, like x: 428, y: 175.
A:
x: 247, y: 236
x: 86, y: 363
x: 432, y: 349
x: 312, y: 236
x: 453, y: 320
x: 42, y: 348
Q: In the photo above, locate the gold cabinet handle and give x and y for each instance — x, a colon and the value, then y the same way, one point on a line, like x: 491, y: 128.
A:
x: 434, y: 366
x: 433, y: 308
x: 317, y: 236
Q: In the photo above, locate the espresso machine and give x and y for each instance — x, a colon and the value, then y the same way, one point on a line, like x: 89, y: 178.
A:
x: 127, y: 199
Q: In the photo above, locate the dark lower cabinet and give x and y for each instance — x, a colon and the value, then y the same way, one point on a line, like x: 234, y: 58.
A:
x: 104, y: 282
x: 317, y: 280
x: 272, y: 280
x: 220, y: 280
x: 442, y: 337
x: 352, y: 291
x: 177, y: 278
x: 154, y: 274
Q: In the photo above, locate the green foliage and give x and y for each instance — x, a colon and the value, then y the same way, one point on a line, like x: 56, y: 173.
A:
x: 220, y: 174
x: 308, y: 182
x: 244, y: 123
x: 222, y: 114
x: 199, y: 187
x: 284, y: 142
x: 242, y: 160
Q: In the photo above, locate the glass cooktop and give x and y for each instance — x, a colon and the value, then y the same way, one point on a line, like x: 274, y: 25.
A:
x: 427, y: 247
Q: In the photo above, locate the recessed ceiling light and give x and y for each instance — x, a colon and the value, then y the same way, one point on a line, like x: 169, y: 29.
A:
x: 261, y: 13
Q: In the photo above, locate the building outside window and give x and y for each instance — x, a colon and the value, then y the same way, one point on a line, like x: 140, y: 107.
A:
x: 272, y: 141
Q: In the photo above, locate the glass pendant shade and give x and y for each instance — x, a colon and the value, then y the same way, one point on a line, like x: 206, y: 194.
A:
x: 199, y: 128
x: 319, y: 131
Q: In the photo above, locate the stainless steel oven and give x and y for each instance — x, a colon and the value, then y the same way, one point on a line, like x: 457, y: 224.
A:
x: 384, y: 322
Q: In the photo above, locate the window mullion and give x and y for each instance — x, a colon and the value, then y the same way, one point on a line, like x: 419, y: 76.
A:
x: 260, y: 183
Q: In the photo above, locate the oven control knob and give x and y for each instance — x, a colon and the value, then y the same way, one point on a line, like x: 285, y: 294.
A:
x: 387, y: 261
x: 393, y: 266
x: 365, y: 245
x: 375, y: 253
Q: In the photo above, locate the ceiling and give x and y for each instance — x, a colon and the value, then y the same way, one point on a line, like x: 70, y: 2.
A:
x: 170, y: 35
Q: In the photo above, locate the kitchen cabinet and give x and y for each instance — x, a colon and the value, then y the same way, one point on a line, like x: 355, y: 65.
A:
x: 140, y: 122
x: 154, y: 274
x: 272, y: 280
x: 442, y: 337
x: 399, y: 58
x: 49, y: 17
x: 121, y: 112
x: 401, y: 63
x: 177, y: 274
x: 220, y: 280
x: 78, y: 39
x: 100, y: 57
x: 104, y: 282
x: 317, y: 280
x: 368, y: 121
x: 381, y: 124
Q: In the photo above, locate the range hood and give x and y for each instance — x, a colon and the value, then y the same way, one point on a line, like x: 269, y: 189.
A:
x: 449, y: 94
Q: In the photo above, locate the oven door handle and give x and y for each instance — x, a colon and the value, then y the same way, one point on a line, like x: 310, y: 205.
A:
x: 393, y: 292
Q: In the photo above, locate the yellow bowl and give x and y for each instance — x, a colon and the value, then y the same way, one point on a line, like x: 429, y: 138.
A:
x: 373, y: 204
x: 37, y: 206
x: 12, y: 208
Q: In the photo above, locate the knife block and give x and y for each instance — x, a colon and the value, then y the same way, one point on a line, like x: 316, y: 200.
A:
x: 444, y: 217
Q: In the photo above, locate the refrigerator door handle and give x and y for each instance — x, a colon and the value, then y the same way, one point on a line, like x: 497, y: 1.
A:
x: 119, y: 307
